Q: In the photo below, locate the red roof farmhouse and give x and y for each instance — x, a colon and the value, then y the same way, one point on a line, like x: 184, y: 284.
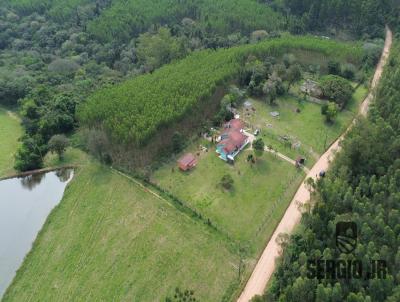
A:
x: 232, y: 140
x: 187, y: 162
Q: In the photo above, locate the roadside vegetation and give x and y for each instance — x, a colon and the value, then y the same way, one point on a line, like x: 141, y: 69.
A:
x: 361, y: 187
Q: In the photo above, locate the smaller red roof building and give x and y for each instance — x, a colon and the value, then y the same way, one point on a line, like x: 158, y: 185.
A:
x: 187, y: 162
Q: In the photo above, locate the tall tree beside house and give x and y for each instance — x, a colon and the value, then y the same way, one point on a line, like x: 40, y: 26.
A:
x: 258, y: 146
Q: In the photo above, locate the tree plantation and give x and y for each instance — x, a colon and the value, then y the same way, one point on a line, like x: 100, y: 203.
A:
x: 132, y: 112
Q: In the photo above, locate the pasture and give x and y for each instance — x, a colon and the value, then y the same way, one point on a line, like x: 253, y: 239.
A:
x: 109, y: 240
x: 251, y: 209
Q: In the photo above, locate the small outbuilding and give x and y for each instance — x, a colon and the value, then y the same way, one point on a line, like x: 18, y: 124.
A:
x: 187, y: 162
x: 300, y: 161
x: 248, y: 104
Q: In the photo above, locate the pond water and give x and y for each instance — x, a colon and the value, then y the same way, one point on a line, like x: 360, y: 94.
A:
x: 25, y: 204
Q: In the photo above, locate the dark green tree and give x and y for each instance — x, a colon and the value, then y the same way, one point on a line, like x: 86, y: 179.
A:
x: 337, y: 89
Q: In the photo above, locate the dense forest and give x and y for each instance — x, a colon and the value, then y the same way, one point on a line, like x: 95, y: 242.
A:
x: 361, y: 187
x: 51, y: 60
x: 212, y: 18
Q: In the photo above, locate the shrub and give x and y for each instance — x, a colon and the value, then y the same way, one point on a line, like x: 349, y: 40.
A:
x: 349, y: 71
x: 227, y: 181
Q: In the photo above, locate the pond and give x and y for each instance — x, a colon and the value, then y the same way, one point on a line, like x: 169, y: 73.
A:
x: 25, y: 204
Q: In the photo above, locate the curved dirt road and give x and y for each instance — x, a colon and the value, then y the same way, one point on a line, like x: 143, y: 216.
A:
x: 266, y: 264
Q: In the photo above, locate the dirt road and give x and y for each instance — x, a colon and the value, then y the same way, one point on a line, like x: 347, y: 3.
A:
x: 266, y: 264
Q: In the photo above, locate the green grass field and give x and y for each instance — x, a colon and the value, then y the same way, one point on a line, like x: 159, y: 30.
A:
x: 110, y: 240
x: 259, y: 190
x: 308, y: 126
x: 10, y: 131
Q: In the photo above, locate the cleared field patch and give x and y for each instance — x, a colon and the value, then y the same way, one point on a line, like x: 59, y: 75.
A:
x: 109, y: 240
x: 10, y: 131
x: 248, y: 212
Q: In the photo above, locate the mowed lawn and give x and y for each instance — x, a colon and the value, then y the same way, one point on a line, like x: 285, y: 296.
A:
x: 110, y: 240
x: 10, y: 131
x: 308, y: 126
x: 250, y: 211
